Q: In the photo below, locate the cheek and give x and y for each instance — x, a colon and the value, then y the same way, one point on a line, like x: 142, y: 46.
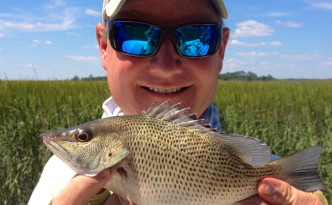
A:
x: 116, y: 67
x: 207, y: 69
x: 122, y: 75
x: 117, y: 62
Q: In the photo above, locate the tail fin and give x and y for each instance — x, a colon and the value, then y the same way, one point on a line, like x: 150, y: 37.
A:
x: 300, y: 169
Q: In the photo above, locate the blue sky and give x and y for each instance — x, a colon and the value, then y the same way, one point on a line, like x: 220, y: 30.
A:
x: 55, y: 39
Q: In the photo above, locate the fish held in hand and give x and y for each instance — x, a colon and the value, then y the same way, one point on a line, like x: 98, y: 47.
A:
x: 165, y: 156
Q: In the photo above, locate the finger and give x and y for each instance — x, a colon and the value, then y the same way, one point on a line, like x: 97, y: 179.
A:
x: 277, y: 192
x: 253, y: 200
x: 114, y: 199
x: 81, y: 188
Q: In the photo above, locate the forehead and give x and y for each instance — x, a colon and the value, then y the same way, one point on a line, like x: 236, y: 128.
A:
x: 169, y: 12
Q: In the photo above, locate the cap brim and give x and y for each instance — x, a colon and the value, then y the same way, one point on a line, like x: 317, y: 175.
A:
x: 112, y: 7
x: 222, y: 11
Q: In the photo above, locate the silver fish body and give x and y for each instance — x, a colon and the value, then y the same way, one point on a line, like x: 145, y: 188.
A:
x: 164, y: 156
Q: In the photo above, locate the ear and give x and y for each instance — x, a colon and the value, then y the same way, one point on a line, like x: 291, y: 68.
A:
x: 101, y: 35
x: 223, y: 45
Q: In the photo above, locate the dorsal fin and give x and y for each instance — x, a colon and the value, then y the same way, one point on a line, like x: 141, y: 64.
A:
x: 251, y: 150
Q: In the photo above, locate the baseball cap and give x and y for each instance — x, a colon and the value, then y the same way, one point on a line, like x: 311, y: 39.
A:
x: 112, y: 7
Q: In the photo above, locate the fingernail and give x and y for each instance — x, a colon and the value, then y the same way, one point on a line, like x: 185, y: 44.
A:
x: 270, y: 189
x: 102, y: 175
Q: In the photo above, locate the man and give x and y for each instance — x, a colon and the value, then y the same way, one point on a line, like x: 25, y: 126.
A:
x: 139, y: 73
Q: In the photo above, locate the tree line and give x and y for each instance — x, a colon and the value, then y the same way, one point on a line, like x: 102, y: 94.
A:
x: 245, y: 76
x: 238, y: 75
x: 90, y: 78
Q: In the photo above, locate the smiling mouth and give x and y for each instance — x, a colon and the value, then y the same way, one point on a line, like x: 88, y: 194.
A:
x: 165, y: 91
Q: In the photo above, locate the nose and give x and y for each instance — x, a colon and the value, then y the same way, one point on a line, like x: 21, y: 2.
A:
x: 166, y: 62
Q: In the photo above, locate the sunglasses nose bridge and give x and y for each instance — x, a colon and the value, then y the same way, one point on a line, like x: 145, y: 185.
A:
x: 169, y: 33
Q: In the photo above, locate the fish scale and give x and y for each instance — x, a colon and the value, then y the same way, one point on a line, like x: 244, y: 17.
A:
x: 166, y: 156
x: 177, y: 172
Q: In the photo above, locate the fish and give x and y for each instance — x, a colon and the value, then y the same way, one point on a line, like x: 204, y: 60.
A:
x: 167, y: 156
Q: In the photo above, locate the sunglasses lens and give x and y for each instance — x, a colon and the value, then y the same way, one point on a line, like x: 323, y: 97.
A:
x: 136, y: 38
x: 197, y: 40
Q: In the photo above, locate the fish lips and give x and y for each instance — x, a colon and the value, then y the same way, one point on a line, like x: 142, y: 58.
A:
x: 55, y: 148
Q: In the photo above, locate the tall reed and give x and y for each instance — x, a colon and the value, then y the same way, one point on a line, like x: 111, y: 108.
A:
x: 288, y: 116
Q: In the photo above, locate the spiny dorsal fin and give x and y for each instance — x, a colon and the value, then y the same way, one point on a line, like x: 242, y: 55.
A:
x: 251, y: 150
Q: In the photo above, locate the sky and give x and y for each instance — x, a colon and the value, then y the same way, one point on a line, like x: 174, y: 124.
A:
x: 55, y: 39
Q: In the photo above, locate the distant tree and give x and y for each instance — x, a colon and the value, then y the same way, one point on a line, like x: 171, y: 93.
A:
x: 90, y: 78
x: 75, y: 78
x: 241, y: 75
x: 266, y: 78
x: 251, y: 76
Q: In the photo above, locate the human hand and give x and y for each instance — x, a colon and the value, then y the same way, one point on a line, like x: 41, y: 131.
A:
x: 80, y: 189
x: 276, y: 192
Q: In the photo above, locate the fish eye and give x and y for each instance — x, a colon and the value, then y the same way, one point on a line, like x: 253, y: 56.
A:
x: 83, y: 136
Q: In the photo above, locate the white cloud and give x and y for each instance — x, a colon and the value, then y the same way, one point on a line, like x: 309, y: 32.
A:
x: 2, y: 35
x: 289, y: 24
x: 252, y: 28
x: 277, y: 70
x: 48, y: 42
x: 54, y: 4
x: 52, y: 20
x: 5, y: 15
x: 300, y: 57
x: 245, y: 44
x: 83, y: 58
x: 320, y: 4
x: 38, y: 42
x: 92, y: 12
x: 70, y: 33
x: 327, y: 63
x: 253, y: 7
x: 66, y: 23
x: 277, y: 14
x: 30, y: 65
x: 256, y: 54
x: 233, y: 64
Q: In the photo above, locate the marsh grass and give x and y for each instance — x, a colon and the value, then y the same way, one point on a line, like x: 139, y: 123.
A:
x: 28, y: 109
x: 288, y: 116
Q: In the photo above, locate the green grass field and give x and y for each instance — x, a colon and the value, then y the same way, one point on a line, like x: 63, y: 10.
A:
x: 288, y: 116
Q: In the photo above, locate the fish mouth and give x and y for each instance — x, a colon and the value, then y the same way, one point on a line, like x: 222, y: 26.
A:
x: 55, y: 148
x: 164, y: 90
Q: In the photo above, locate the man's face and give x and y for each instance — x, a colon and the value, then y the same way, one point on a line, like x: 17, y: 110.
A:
x: 136, y: 82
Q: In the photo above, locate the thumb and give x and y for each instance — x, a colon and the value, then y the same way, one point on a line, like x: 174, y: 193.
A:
x: 278, y: 192
x: 81, y: 188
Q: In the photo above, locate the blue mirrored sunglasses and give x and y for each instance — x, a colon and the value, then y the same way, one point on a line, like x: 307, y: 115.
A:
x: 142, y: 39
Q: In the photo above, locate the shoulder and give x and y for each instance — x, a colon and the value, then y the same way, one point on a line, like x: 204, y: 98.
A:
x: 54, y: 177
x: 55, y: 166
